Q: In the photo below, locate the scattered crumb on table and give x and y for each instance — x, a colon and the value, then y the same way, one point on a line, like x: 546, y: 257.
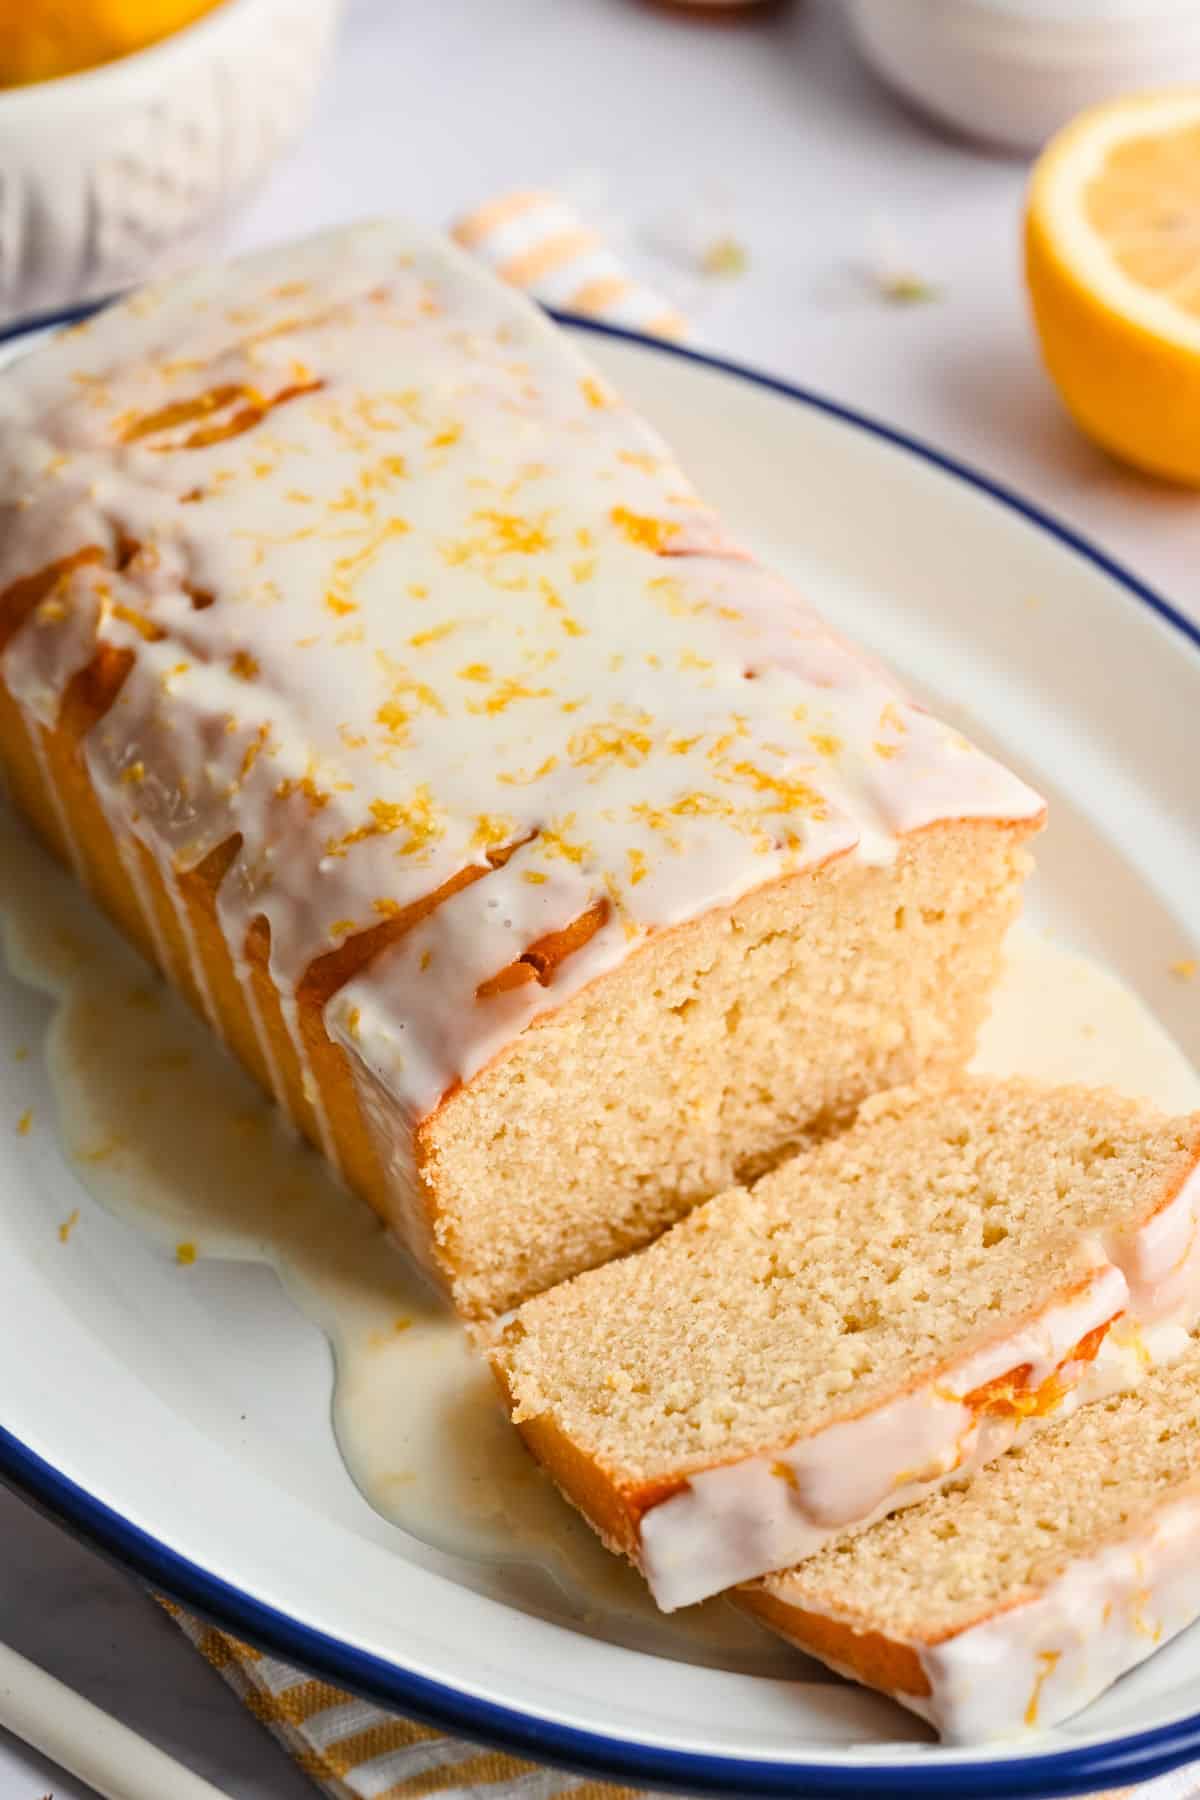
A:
x: 725, y: 256
x: 904, y: 289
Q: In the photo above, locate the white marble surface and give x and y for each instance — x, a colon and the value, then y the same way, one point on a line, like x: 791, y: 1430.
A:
x: 773, y: 128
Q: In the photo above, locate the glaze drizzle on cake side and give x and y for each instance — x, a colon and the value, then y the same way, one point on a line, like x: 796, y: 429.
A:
x: 1008, y: 1603
x: 382, y: 674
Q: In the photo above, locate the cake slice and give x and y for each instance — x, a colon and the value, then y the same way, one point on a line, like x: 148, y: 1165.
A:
x: 545, y: 856
x: 1010, y: 1601
x: 881, y: 1312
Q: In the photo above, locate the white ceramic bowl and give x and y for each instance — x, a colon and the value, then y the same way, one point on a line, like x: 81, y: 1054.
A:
x: 128, y: 169
x: 1013, y: 71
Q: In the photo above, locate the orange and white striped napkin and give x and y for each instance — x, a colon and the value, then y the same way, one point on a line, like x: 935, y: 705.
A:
x: 537, y: 241
x: 354, y: 1750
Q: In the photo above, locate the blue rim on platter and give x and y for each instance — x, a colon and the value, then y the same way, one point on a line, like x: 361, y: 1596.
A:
x: 1090, y: 1767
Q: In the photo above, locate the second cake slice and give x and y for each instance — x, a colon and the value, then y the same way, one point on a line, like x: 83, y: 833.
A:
x: 805, y: 1357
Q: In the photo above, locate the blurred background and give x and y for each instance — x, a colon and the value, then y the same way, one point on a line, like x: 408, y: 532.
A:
x: 832, y: 191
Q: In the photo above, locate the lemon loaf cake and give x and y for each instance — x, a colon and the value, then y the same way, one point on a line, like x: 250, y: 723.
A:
x: 550, y: 861
x: 882, y: 1311
x: 1010, y: 1601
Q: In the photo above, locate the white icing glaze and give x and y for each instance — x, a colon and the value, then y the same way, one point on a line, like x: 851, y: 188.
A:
x: 1044, y: 1659
x: 417, y: 1418
x: 168, y: 1134
x: 1161, y: 1258
x: 743, y: 1519
x: 765, y: 1512
x: 462, y: 600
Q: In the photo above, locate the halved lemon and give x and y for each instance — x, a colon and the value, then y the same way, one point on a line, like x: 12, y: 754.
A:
x: 1112, y: 258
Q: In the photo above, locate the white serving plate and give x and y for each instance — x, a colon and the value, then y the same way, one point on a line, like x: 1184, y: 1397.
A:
x: 188, y: 1435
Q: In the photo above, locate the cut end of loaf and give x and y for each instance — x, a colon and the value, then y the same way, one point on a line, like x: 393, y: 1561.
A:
x: 951, y: 1226
x: 940, y: 1220
x: 717, y: 1050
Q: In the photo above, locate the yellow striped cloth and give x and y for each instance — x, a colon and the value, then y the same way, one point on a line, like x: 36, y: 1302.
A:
x: 354, y: 1750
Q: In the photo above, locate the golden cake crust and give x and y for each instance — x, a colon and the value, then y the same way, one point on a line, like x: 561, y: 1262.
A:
x: 387, y: 680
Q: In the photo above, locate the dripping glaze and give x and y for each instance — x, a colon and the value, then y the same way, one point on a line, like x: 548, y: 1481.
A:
x: 416, y: 1417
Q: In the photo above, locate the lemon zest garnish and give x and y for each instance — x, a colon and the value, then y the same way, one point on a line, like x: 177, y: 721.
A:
x: 1047, y: 1660
x: 555, y: 842
x: 609, y: 743
x: 418, y: 816
x: 434, y: 635
x: 492, y: 828
x: 506, y: 534
x: 646, y: 532
x: 506, y: 694
x: 524, y: 779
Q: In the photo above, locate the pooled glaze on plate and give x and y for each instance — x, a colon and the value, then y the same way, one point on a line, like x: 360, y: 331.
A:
x: 417, y: 1417
x: 416, y: 1412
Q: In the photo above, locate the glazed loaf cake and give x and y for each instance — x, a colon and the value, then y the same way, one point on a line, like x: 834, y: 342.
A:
x: 546, y: 857
x: 1007, y: 1603
x: 883, y: 1311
